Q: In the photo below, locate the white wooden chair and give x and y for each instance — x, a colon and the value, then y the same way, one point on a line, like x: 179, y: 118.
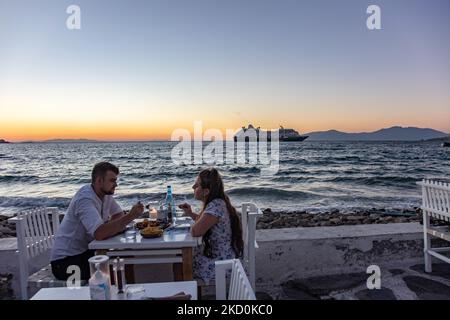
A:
x: 240, y: 288
x: 249, y: 217
x: 436, y: 204
x: 34, y: 243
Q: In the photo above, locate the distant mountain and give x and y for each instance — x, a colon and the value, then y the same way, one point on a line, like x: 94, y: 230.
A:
x: 389, y: 134
x: 69, y: 140
x: 4, y: 141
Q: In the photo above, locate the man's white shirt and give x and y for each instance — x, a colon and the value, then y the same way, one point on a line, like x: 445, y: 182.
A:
x: 85, y: 214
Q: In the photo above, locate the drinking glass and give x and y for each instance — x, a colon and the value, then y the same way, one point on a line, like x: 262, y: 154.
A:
x: 130, y: 232
x: 135, y: 292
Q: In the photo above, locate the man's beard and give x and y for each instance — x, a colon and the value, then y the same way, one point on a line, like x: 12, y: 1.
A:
x: 108, y: 192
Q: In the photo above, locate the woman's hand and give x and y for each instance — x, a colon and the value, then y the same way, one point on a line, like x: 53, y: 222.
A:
x: 186, y: 207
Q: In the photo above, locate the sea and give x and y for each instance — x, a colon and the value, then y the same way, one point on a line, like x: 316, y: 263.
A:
x: 314, y: 176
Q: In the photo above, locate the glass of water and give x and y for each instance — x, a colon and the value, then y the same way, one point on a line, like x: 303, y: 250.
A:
x: 130, y: 232
x: 179, y: 212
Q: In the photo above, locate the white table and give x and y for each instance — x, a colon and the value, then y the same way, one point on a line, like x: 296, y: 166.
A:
x: 154, y: 290
x: 175, y: 246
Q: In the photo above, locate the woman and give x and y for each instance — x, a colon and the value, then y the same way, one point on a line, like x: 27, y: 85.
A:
x: 218, y: 224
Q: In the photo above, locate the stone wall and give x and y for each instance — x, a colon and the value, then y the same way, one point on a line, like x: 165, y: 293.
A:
x: 286, y: 254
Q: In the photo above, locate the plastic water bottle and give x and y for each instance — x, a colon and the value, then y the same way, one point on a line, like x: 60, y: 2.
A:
x: 170, y: 204
x: 99, y: 285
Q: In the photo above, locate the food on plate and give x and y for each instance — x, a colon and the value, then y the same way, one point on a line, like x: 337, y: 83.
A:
x: 152, y: 232
x: 142, y: 224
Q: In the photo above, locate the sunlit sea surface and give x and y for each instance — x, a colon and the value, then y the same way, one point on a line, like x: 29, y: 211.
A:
x: 312, y: 176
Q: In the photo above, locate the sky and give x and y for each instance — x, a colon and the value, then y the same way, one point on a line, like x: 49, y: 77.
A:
x: 138, y: 70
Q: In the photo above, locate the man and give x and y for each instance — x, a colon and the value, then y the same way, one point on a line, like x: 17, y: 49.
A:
x: 92, y: 214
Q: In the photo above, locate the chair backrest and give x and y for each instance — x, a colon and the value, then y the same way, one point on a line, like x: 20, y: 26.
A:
x: 249, y: 217
x: 436, y: 199
x: 35, y: 236
x: 240, y: 288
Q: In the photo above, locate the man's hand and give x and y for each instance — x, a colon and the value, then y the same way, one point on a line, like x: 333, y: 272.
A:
x: 136, y: 211
x: 115, y: 226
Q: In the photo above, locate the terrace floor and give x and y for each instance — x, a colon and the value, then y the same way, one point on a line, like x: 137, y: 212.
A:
x: 407, y: 282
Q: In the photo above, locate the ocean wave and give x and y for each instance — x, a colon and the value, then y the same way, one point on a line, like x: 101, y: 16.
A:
x: 18, y: 178
x: 28, y: 202
x: 160, y: 175
x: 375, y: 180
x: 273, y: 193
x: 244, y: 170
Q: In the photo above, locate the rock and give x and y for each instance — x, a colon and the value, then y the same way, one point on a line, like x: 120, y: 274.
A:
x: 376, y: 294
x: 355, y: 218
x: 6, y: 230
x: 386, y: 219
x: 335, y: 220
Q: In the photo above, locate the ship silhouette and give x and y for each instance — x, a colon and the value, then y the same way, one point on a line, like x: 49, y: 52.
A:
x: 284, y: 134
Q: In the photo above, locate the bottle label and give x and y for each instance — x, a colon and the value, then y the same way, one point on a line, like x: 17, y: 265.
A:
x: 99, y: 292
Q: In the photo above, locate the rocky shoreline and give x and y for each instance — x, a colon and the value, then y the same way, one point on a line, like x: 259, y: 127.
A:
x: 293, y: 219
x: 280, y: 219
x: 6, y: 229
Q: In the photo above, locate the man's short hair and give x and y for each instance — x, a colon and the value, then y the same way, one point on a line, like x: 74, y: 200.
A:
x: 101, y: 168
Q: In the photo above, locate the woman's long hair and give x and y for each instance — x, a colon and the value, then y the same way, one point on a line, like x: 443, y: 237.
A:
x: 211, y: 179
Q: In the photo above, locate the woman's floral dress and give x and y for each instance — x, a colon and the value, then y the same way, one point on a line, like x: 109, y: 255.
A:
x: 220, y: 241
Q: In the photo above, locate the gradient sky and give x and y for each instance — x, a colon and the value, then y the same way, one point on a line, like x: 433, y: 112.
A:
x: 140, y: 69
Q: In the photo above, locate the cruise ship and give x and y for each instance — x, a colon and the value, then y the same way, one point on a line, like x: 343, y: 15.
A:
x: 284, y: 134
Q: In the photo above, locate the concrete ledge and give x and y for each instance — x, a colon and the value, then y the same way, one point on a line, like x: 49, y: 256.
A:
x: 296, y: 253
x: 9, y: 264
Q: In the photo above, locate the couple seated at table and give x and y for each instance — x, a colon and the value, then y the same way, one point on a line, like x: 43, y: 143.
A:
x: 94, y: 214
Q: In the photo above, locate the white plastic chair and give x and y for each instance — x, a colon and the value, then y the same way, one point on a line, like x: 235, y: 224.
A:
x: 240, y: 288
x: 249, y: 217
x: 34, y: 241
x: 436, y: 204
